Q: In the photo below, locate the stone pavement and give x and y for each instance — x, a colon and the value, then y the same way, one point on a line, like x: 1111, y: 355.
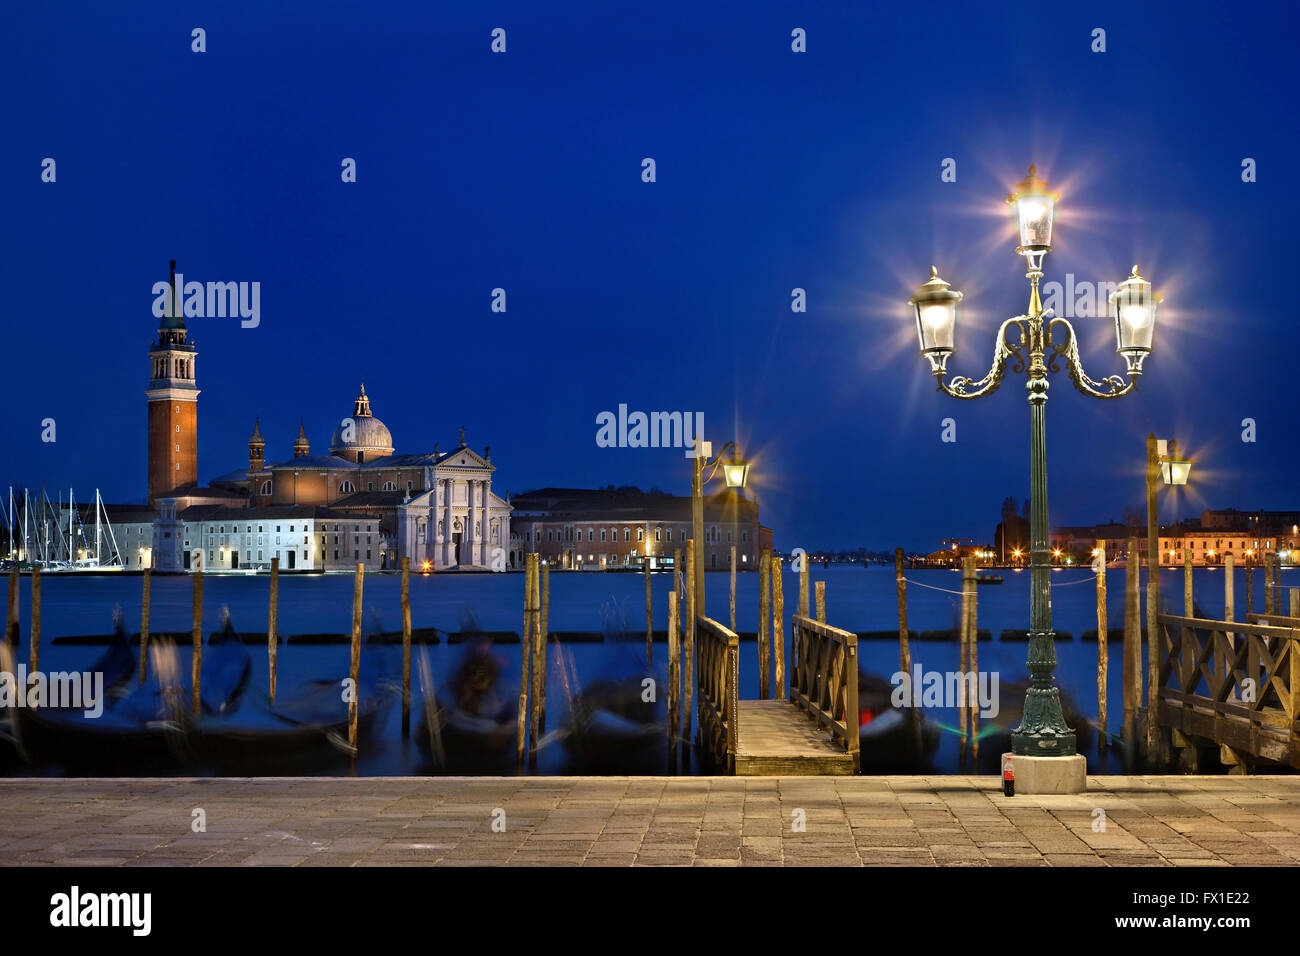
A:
x: 656, y: 821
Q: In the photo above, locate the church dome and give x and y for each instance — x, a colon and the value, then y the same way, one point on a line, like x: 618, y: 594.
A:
x: 363, y: 438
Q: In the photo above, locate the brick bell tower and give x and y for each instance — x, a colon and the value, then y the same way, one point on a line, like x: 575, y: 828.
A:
x: 173, y: 404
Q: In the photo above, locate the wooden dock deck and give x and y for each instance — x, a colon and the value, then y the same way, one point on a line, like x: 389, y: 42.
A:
x: 775, y: 738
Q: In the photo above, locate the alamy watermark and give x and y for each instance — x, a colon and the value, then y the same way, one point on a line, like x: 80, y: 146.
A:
x: 648, y: 430
x: 69, y: 690
x: 211, y: 300
x: 951, y: 689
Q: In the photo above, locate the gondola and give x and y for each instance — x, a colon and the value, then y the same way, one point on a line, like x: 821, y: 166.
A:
x: 305, y: 731
x: 470, y: 726
x: 613, y: 730
x: 892, y: 739
x: 148, y: 729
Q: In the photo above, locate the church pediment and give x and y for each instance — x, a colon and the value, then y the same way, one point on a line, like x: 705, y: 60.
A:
x: 464, y: 458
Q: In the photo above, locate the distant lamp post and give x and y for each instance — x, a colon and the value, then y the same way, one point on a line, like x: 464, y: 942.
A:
x: 735, y: 474
x: 1041, y: 342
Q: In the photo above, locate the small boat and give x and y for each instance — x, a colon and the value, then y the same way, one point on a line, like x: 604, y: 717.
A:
x: 470, y: 727
x: 306, y: 729
x: 987, y: 577
x: 614, y: 730
x: 149, y: 728
x: 891, y: 739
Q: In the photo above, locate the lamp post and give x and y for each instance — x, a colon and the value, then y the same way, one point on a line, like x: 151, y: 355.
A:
x: 735, y: 473
x: 1043, y: 341
x: 1163, y: 464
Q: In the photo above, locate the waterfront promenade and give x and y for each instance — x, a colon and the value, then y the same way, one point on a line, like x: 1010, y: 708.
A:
x: 669, y: 821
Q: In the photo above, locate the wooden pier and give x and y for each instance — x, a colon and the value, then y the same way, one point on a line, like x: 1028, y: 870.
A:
x: 813, y: 732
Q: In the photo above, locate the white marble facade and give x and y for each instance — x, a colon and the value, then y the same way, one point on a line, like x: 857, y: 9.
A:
x: 458, y: 522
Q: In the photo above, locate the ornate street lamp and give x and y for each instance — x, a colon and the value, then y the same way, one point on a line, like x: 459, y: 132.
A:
x: 1043, y: 341
x: 735, y: 473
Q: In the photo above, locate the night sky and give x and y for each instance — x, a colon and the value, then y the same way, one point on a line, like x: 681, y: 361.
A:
x: 775, y: 170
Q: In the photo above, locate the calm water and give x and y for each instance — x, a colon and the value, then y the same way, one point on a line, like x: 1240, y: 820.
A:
x: 858, y: 599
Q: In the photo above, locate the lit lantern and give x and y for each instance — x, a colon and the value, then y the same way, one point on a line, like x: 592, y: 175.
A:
x: 735, y: 473
x: 1175, y: 469
x: 1133, y: 307
x: 936, y: 319
x: 1035, y: 206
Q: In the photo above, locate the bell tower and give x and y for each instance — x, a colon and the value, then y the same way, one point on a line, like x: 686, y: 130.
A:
x: 173, y: 403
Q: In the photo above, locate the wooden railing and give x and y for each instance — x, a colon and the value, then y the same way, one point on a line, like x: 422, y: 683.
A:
x: 1235, y: 684
x: 824, y: 679
x: 717, y: 652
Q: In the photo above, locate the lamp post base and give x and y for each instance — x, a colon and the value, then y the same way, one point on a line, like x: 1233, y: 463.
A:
x: 1042, y: 731
x: 1049, y: 774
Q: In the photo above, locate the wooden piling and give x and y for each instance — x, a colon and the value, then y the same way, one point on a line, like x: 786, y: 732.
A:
x: 544, y: 635
x: 1188, y: 663
x: 805, y: 576
x: 733, y: 589
x: 534, y: 648
x: 272, y: 625
x: 354, y: 667
x: 35, y: 650
x: 144, y: 627
x: 1294, y: 610
x: 688, y: 654
x: 11, y: 615
x: 1229, y: 614
x: 406, y: 646
x: 963, y: 644
x: 674, y: 684
x: 972, y: 642
x: 1132, y: 643
x: 1270, y: 582
x: 649, y: 618
x: 196, y: 635
x: 764, y: 620
x: 1250, y: 588
x: 1103, y: 661
x: 778, y: 627
x: 525, y: 645
x: 904, y: 651
x: 819, y: 590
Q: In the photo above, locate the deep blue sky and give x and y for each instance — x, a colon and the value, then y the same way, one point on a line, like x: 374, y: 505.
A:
x: 775, y: 170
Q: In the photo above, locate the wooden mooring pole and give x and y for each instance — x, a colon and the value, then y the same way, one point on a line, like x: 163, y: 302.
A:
x: 1103, y: 661
x: 11, y: 616
x: 1229, y: 614
x: 733, y: 589
x: 674, y: 683
x: 196, y: 635
x: 819, y: 600
x: 649, y: 618
x: 406, y: 646
x: 534, y: 650
x: 1294, y: 610
x: 805, y: 577
x: 1132, y: 646
x: 963, y: 639
x: 972, y: 684
x: 144, y: 627
x: 543, y: 635
x: 272, y: 624
x: 34, y: 655
x: 904, y: 651
x: 525, y: 652
x: 778, y: 626
x: 764, y: 620
x: 354, y: 666
x: 689, y: 651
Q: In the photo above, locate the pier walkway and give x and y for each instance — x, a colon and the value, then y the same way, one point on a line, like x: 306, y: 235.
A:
x: 669, y: 821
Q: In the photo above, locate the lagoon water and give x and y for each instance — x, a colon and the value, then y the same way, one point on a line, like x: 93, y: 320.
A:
x: 858, y: 599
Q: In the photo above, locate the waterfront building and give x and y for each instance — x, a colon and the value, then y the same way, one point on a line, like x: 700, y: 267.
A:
x: 619, y: 528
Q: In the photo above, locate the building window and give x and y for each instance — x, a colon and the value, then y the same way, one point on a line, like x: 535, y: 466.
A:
x: 266, y: 487
x: 347, y: 488
x: 390, y: 486
x: 602, y: 534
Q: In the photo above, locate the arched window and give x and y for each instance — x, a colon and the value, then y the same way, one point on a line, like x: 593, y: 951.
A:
x: 389, y: 486
x: 347, y: 488
x: 266, y: 487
